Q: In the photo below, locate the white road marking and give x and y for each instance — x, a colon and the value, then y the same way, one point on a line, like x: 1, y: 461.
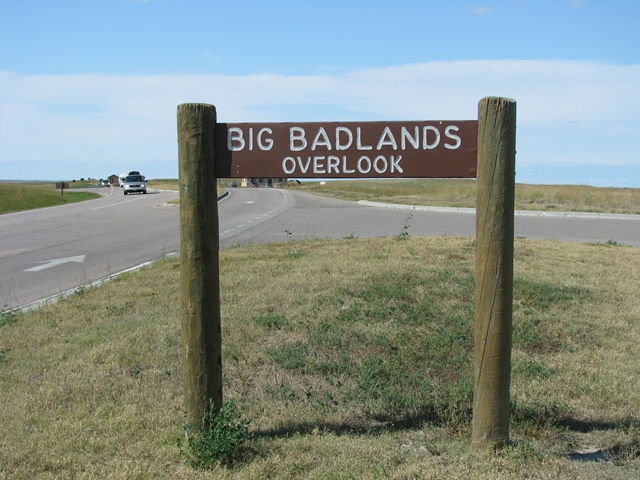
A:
x: 119, y: 203
x: 54, y: 263
x: 258, y: 217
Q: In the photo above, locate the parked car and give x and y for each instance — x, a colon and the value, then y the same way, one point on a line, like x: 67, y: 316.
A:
x: 134, y: 183
x: 232, y: 184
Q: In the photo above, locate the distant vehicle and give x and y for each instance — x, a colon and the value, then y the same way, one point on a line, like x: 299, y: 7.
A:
x: 103, y: 183
x: 232, y: 184
x: 122, y: 177
x: 254, y: 185
x: 135, y: 183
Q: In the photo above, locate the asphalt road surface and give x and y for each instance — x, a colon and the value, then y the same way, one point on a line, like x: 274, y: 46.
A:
x: 44, y: 253
x: 49, y: 251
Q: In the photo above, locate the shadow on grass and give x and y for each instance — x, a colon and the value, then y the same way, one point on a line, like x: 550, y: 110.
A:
x: 372, y: 427
x: 616, y: 454
x: 620, y: 454
x: 582, y: 426
x: 432, y: 418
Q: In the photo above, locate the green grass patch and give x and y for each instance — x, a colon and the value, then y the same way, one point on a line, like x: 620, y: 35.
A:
x: 360, y: 367
x: 16, y: 197
x: 220, y: 439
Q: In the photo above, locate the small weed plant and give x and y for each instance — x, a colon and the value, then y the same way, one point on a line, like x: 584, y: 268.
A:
x: 404, y: 233
x: 7, y: 317
x: 220, y: 438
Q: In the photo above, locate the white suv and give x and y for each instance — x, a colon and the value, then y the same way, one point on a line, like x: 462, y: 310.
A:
x: 135, y: 183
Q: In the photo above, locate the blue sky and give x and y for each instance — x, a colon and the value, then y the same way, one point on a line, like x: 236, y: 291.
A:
x: 90, y: 87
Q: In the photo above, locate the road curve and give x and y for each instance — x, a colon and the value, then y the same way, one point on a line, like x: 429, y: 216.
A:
x: 303, y: 216
x: 49, y: 251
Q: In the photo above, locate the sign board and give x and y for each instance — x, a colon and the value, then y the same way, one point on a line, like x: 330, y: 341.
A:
x: 347, y: 150
x: 62, y: 186
x: 413, y: 149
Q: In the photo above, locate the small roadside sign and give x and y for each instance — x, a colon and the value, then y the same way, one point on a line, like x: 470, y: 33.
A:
x: 62, y: 186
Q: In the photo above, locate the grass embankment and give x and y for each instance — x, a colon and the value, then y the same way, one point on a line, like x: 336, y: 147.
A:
x: 90, y: 183
x: 351, y: 359
x: 173, y: 184
x: 431, y: 192
x: 17, y: 197
x: 462, y: 193
x: 163, y: 184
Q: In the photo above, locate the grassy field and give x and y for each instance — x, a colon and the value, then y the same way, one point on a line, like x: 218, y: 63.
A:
x: 350, y: 358
x: 432, y: 192
x: 172, y: 184
x: 19, y: 196
x: 462, y: 193
x: 163, y: 184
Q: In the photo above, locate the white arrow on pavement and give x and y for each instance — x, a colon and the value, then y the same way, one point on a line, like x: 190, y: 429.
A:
x: 55, y: 263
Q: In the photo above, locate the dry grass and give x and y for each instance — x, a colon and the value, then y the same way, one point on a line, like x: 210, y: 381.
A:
x: 173, y: 184
x: 320, y: 341
x: 163, y: 184
x: 462, y: 193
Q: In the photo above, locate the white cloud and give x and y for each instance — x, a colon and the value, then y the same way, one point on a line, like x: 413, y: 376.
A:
x: 73, y: 117
x: 484, y: 10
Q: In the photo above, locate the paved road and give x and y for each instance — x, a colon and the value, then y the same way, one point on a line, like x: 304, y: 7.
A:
x: 299, y: 215
x: 46, y: 252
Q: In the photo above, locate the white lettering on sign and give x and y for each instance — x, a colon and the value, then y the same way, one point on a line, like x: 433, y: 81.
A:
x: 349, y: 138
x: 367, y: 149
x: 321, y: 139
x: 359, y: 145
x: 425, y: 142
x: 328, y: 164
x: 236, y: 141
x: 387, y: 139
x: 447, y: 133
x: 297, y: 141
x: 343, y: 139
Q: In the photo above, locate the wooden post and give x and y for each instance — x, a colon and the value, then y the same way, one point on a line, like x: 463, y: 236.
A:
x: 494, y: 270
x: 199, y: 263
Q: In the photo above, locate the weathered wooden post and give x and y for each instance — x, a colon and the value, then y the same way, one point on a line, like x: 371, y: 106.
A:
x: 199, y: 263
x: 494, y: 270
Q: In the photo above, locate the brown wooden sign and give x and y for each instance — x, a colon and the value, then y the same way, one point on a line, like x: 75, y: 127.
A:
x: 62, y: 186
x: 207, y: 149
x: 418, y: 149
